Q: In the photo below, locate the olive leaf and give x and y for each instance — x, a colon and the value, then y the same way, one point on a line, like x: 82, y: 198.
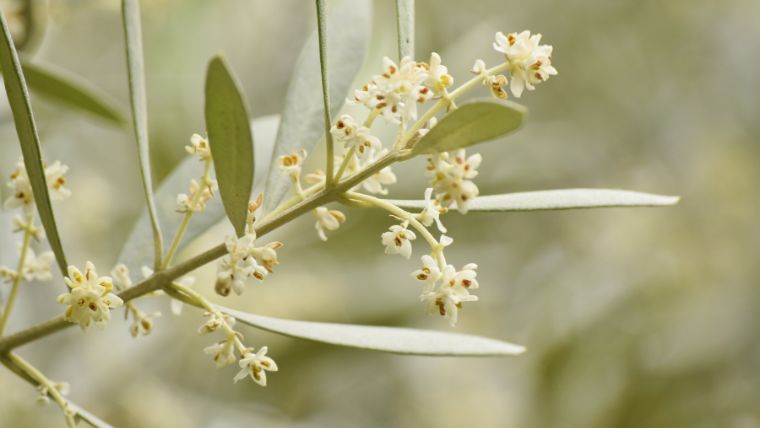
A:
x: 563, y: 199
x: 386, y: 339
x: 18, y: 97
x: 303, y: 117
x: 405, y: 27
x: 472, y: 123
x: 135, y: 70
x: 70, y: 91
x: 231, y: 142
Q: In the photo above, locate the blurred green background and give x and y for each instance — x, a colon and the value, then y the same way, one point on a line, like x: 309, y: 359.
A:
x: 632, y: 317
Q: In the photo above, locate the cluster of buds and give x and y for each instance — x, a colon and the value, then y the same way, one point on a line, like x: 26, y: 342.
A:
x: 142, y: 323
x: 200, y: 192
x: 253, y: 364
x: 245, y: 260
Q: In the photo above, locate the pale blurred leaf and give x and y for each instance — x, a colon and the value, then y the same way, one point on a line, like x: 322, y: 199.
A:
x: 472, y: 123
x: 70, y: 91
x: 386, y: 339
x: 303, y: 118
x: 231, y: 142
x: 563, y: 199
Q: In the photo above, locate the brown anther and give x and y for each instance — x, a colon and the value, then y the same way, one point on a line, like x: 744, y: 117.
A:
x: 511, y: 39
x: 466, y: 283
x: 92, y: 306
x: 441, y: 307
x: 339, y: 124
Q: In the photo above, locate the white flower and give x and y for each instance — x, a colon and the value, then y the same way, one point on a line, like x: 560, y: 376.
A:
x: 54, y: 175
x: 397, y: 91
x: 351, y: 135
x: 398, y: 240
x: 90, y: 298
x: 266, y: 256
x: 195, y: 201
x: 37, y: 267
x: 256, y: 365
x: 451, y: 177
x: 429, y: 273
x: 438, y: 75
x: 451, y: 293
x: 223, y: 352
x: 199, y: 146
x: 529, y: 62
x: 432, y: 211
x: 21, y: 187
x: 327, y: 220
x: 291, y: 164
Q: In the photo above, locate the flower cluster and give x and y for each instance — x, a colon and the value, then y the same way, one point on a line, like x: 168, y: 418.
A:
x: 244, y: 260
x: 200, y: 192
x: 529, y: 63
x: 21, y: 187
x: 253, y: 364
x: 446, y: 289
x: 400, y: 88
x: 90, y: 299
x: 451, y: 177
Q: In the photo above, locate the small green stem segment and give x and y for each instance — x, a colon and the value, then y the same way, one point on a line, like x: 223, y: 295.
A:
x: 322, y: 33
x: 347, y: 157
x: 435, y: 246
x: 205, y: 183
x: 19, y: 273
x: 191, y: 297
x: 41, y: 380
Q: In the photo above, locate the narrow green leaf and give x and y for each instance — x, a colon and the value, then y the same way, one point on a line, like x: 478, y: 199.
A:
x: 136, y: 249
x: 323, y: 67
x: 229, y: 134
x: 563, y: 199
x: 70, y: 91
x: 303, y: 118
x: 472, y: 123
x: 136, y: 71
x: 386, y: 339
x: 405, y: 27
x: 18, y: 97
